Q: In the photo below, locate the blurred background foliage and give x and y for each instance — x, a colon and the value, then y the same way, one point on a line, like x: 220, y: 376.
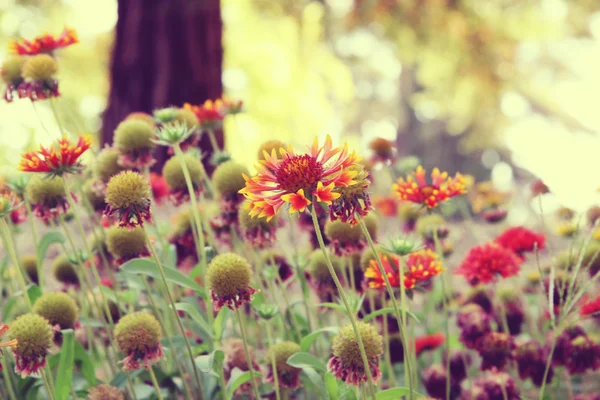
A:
x: 502, y: 84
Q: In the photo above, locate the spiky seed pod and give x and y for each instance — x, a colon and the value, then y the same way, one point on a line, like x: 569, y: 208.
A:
x: 128, y: 196
x: 288, y: 376
x: 269, y: 146
x: 29, y: 264
x: 132, y: 135
x: 34, y: 337
x: 173, y: 173
x: 228, y: 179
x: 94, y: 196
x: 64, y: 270
x: 317, y: 265
x: 182, y: 222
x: 138, y: 335
x: 11, y: 70
x: 125, y: 244
x: 187, y: 117
x: 346, y: 363
x: 105, y: 392
x: 426, y: 225
x: 107, y: 164
x: 43, y: 191
x: 228, y: 278
x: 41, y: 67
x: 58, y: 308
x: 142, y: 116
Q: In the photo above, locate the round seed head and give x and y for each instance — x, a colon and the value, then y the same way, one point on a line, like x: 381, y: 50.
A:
x: 426, y: 224
x: 41, y: 67
x: 228, y: 179
x: 142, y: 116
x: 346, y: 233
x: 29, y: 264
x: 57, y: 308
x: 96, y: 200
x: 124, y: 242
x: 133, y: 134
x: 64, y: 270
x: 187, y: 117
x: 137, y: 331
x: 346, y: 347
x: 33, y: 333
x: 247, y: 222
x: 269, y: 146
x: 41, y: 190
x: 281, y: 352
x: 317, y: 266
x: 105, y: 392
x: 127, y: 189
x: 11, y: 70
x: 228, y: 274
x: 173, y: 173
x: 107, y: 164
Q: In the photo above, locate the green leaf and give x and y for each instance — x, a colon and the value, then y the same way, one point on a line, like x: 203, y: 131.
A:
x: 48, y: 239
x: 302, y: 359
x: 335, y: 306
x: 120, y: 380
x: 210, y: 362
x: 220, y: 322
x: 388, y: 310
x: 34, y: 292
x: 85, y: 364
x: 315, y: 379
x: 394, y: 394
x: 203, y: 325
x: 148, y: 267
x: 310, y: 338
x: 238, y: 378
x: 169, y: 255
x: 62, y: 385
x: 331, y: 385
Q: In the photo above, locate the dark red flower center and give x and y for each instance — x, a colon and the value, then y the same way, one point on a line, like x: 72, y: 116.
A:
x: 299, y: 172
x: 427, y: 191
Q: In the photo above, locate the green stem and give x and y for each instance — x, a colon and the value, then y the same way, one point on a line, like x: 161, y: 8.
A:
x: 273, y: 363
x: 387, y: 355
x: 7, y: 381
x: 58, y: 122
x: 548, y: 363
x: 155, y: 383
x: 47, y: 384
x: 401, y: 317
x: 174, y: 309
x: 340, y: 289
x: 445, y: 299
x: 300, y: 275
x: 35, y: 243
x: 213, y: 141
x: 247, y: 352
x: 10, y: 248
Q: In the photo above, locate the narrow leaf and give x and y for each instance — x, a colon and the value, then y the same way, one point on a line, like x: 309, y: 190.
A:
x: 238, y: 378
x: 48, y: 239
x: 308, y: 340
x: 335, y: 306
x: 331, y: 385
x: 388, y: 310
x: 220, y: 321
x: 302, y: 359
x: 149, y: 267
x: 196, y: 317
x: 85, y: 364
x: 317, y: 381
x: 62, y: 386
x: 394, y: 394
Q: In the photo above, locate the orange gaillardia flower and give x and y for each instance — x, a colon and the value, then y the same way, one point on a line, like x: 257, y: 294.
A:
x: 299, y: 179
x: 442, y: 187
x: 44, y: 44
x: 210, y: 114
x: 11, y: 343
x: 421, y: 266
x: 56, y: 160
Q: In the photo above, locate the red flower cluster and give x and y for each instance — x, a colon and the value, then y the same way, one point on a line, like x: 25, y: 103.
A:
x: 160, y: 187
x: 44, y: 44
x: 484, y: 263
x: 591, y: 308
x: 210, y: 114
x: 56, y: 160
x: 429, y: 342
x: 521, y: 240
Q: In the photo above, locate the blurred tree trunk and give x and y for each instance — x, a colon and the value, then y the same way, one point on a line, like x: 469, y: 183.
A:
x: 166, y: 53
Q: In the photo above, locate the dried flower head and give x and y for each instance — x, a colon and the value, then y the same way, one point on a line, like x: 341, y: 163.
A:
x: 58, y: 308
x: 138, y: 335
x: 531, y: 360
x: 39, y: 82
x: 235, y: 357
x: 93, y: 191
x: 228, y: 277
x: 288, y: 376
x: 346, y: 363
x: 434, y: 379
x: 383, y: 150
x: 48, y: 198
x: 496, y: 350
x: 268, y: 147
x: 34, y: 336
x: 354, y: 200
x: 292, y: 178
x: 133, y: 138
x: 64, y: 270
x: 474, y: 324
x: 128, y: 197
x: 107, y: 164
x: 483, y: 264
x: 259, y: 232
x: 228, y: 178
x: 105, y: 392
x: 126, y: 244
x: 583, y: 354
x: 442, y: 187
x: 320, y: 278
x: 494, y: 385
x: 348, y: 239
x: 44, y: 44
x: 175, y: 177
x: 11, y: 74
x: 30, y: 266
x: 60, y: 159
x: 142, y: 116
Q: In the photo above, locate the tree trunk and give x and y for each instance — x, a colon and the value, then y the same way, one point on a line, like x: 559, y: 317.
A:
x: 166, y: 53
